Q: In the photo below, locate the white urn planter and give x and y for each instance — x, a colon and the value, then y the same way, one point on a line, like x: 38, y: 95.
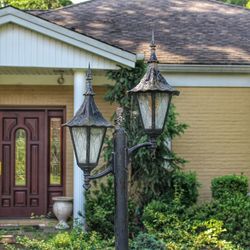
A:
x: 62, y: 208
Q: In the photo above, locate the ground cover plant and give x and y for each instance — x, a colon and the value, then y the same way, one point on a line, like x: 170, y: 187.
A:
x: 75, y: 239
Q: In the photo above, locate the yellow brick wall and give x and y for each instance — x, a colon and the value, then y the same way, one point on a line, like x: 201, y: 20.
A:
x: 52, y: 96
x: 217, y: 141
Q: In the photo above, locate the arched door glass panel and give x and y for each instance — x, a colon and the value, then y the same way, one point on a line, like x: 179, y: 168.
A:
x: 20, y: 157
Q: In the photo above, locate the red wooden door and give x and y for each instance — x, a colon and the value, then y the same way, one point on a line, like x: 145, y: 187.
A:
x: 23, y: 163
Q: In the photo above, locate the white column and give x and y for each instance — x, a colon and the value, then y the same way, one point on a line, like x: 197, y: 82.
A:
x: 79, y: 200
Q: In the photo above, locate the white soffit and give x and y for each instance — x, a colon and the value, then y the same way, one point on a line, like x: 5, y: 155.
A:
x: 12, y: 15
x: 198, y: 68
x: 206, y: 75
x: 207, y: 79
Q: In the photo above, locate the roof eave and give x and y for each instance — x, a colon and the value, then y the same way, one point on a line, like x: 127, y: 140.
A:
x: 11, y: 14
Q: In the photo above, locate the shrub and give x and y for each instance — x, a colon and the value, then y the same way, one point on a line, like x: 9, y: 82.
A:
x: 146, y: 242
x: 184, y: 185
x: 234, y: 211
x: 100, y: 210
x: 181, y: 232
x: 229, y: 184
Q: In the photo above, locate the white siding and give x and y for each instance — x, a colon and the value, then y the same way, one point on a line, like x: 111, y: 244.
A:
x: 21, y: 47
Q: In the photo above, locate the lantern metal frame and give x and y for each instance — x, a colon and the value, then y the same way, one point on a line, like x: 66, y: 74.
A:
x: 153, y: 82
x: 89, y: 116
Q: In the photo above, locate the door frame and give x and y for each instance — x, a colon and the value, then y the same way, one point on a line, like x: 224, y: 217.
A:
x: 46, y: 109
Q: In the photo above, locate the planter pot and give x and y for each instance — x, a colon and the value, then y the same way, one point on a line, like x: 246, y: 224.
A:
x: 62, y: 208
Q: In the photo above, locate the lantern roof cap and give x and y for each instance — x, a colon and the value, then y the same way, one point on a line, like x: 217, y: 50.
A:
x: 88, y: 114
x: 153, y: 80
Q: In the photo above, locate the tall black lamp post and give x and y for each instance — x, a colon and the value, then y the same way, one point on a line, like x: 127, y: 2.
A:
x: 88, y: 129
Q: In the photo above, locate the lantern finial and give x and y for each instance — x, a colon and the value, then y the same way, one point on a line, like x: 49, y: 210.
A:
x: 153, y: 57
x: 89, y: 73
x: 89, y: 89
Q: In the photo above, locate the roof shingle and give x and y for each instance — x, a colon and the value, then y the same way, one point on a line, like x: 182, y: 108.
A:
x: 186, y: 31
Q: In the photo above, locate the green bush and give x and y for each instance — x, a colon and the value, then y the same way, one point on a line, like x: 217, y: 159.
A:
x: 234, y: 211
x: 184, y: 185
x: 100, y: 210
x: 229, y: 184
x: 146, y: 242
x: 180, y: 232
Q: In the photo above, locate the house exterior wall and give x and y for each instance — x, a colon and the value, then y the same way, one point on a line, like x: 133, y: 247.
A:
x: 217, y: 141
x: 52, y: 96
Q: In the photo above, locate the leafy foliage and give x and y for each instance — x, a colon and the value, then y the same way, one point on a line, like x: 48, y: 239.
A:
x: 184, y: 185
x: 74, y: 240
x: 150, y: 174
x: 229, y: 184
x: 100, y: 210
x: 146, y: 242
x: 234, y: 211
x: 36, y: 4
x: 179, y: 232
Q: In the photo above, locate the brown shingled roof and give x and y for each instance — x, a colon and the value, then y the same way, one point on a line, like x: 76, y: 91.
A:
x: 186, y: 31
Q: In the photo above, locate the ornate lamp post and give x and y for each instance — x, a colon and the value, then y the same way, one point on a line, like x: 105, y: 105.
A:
x: 88, y: 128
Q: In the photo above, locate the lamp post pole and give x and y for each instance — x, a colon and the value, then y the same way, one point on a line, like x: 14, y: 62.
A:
x: 121, y: 188
x: 120, y: 163
x: 88, y: 128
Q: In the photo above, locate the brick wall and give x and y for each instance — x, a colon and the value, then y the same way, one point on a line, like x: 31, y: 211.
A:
x: 217, y: 141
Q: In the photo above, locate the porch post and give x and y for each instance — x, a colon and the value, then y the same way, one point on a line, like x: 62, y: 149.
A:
x: 79, y: 201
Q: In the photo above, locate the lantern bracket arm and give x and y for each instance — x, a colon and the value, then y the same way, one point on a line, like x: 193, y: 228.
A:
x: 108, y: 170
x: 133, y: 149
x: 105, y: 172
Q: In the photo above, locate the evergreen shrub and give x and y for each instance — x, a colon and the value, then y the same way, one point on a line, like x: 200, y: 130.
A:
x: 147, y: 242
x: 228, y: 185
x: 185, y: 185
x: 233, y: 210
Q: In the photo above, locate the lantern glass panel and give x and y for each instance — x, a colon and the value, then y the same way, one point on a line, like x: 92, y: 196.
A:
x: 145, y: 105
x: 96, y: 139
x: 79, y: 135
x: 161, y: 107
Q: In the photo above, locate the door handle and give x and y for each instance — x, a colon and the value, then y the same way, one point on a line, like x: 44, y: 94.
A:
x: 0, y: 168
